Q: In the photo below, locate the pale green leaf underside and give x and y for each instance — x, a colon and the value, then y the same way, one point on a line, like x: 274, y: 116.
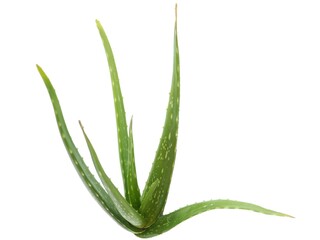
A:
x: 123, y: 207
x: 166, y: 222
x: 88, y: 179
x: 132, y: 192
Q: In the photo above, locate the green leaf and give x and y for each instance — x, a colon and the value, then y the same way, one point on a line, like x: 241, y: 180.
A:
x: 132, y: 193
x: 123, y: 207
x: 150, y: 198
x: 140, y: 215
x: 86, y: 176
x: 163, y: 164
x: 166, y: 222
x: 134, y: 196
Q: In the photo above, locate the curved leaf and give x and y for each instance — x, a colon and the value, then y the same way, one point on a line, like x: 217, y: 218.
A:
x: 166, y: 222
x: 123, y: 207
x: 86, y: 176
x: 132, y: 194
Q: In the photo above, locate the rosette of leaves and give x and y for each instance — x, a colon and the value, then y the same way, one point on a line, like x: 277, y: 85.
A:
x: 141, y: 214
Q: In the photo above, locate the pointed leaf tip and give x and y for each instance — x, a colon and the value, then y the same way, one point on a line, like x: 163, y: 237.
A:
x: 176, y: 11
x: 39, y: 69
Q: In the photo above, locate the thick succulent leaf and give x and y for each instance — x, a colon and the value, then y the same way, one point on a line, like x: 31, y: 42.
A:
x: 134, y: 196
x: 166, y: 222
x: 123, y: 207
x: 163, y: 164
x: 88, y: 179
x: 149, y: 201
x: 132, y: 193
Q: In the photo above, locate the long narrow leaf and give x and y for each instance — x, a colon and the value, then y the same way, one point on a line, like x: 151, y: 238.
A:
x: 163, y: 164
x: 132, y: 194
x: 166, y: 222
x: 86, y: 176
x: 124, y: 208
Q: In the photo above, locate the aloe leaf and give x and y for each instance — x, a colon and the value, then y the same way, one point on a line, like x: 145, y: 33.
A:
x: 86, y: 176
x: 167, y: 222
x: 163, y: 164
x: 150, y: 198
x: 134, y: 196
x: 132, y: 193
x: 123, y: 207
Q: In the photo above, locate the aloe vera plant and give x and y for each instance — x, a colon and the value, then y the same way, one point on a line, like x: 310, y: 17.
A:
x: 142, y: 214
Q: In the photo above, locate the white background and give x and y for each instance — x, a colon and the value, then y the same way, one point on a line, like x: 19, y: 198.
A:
x: 250, y: 112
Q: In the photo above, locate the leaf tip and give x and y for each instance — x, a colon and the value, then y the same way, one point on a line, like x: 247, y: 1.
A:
x: 287, y: 215
x: 39, y: 68
x: 176, y: 11
x: 98, y: 23
x: 79, y: 121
